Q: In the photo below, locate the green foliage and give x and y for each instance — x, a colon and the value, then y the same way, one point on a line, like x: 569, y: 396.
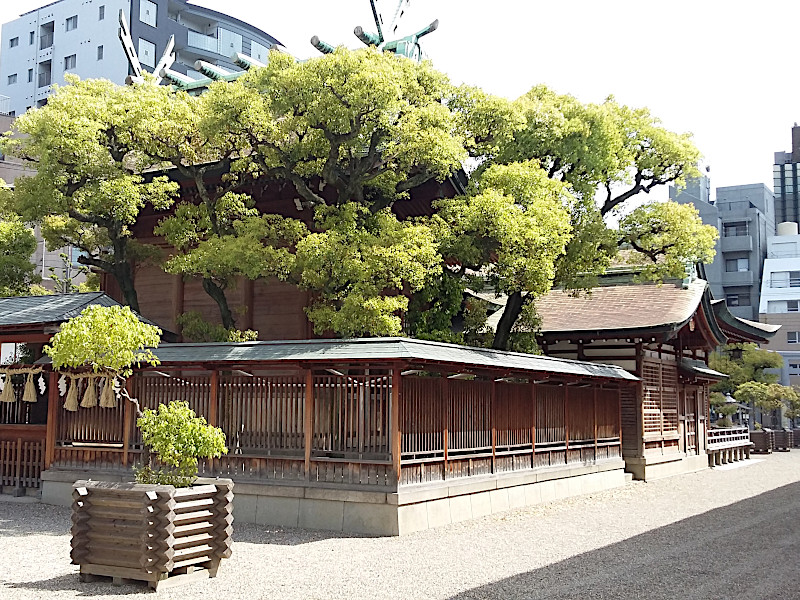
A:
x: 358, y: 266
x: 743, y: 363
x: 88, y: 190
x: 196, y: 329
x: 178, y: 438
x: 105, y: 339
x: 17, y: 244
x: 669, y: 235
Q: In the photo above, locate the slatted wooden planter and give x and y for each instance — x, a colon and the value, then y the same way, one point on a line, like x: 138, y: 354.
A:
x: 154, y: 533
x: 784, y: 439
x: 763, y: 440
x: 796, y: 432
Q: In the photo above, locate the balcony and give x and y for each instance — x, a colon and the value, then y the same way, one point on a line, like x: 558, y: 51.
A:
x: 738, y: 278
x: 44, y: 79
x: 737, y: 243
x: 203, y: 42
x: 46, y: 41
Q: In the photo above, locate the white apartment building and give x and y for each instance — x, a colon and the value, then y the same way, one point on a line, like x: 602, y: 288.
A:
x: 81, y: 37
x: 780, y: 298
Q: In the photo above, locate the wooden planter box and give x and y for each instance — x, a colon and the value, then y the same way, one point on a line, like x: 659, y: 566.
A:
x: 784, y: 439
x: 153, y: 533
x: 763, y: 440
x: 796, y: 432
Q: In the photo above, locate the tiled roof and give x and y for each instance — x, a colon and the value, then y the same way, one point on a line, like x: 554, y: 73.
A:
x: 631, y: 306
x: 27, y: 310
x: 381, y: 349
x: 57, y: 308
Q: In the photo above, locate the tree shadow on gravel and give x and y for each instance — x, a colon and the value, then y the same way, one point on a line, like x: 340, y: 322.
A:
x: 745, y: 550
x: 71, y: 583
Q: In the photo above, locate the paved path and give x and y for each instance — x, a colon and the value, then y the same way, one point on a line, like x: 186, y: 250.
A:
x: 723, y: 534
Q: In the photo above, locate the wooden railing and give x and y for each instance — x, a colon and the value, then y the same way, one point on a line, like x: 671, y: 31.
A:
x: 729, y: 437
x: 21, y: 463
x: 456, y: 428
x: 343, y: 427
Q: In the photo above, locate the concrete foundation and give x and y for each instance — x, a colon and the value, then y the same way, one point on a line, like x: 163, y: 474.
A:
x: 413, y: 508
x: 667, y: 465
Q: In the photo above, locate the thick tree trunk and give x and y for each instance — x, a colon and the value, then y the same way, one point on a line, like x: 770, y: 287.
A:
x: 123, y: 273
x: 510, y: 315
x: 218, y: 294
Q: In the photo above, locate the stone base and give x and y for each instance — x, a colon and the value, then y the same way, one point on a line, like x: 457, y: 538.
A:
x: 414, y: 508
x: 657, y: 467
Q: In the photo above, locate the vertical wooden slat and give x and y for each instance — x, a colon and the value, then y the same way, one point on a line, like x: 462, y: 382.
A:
x: 566, y: 416
x: 127, y: 409
x: 52, y: 419
x: 493, y: 424
x: 309, y: 420
x: 395, y: 421
x: 213, y: 408
x: 446, y: 431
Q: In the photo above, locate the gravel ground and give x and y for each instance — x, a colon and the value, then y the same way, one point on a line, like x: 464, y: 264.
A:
x: 722, y: 533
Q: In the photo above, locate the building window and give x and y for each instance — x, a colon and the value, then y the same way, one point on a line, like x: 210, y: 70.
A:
x: 737, y: 265
x: 99, y: 53
x: 69, y: 62
x: 794, y: 368
x: 147, y: 12
x: 147, y: 53
x: 782, y: 279
x: 30, y: 75
x: 31, y: 38
x: 737, y: 299
x: 735, y: 229
x: 101, y: 12
x: 12, y: 79
x: 13, y: 42
x: 793, y: 337
x: 72, y: 22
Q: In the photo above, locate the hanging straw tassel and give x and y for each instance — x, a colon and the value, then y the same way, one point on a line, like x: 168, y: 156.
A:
x: 29, y: 395
x: 8, y: 391
x: 107, y: 398
x: 71, y: 403
x: 90, y: 397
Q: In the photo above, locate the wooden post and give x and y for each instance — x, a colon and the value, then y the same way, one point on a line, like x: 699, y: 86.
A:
x: 52, y: 420
x: 566, y: 422
x: 213, y: 400
x: 395, y: 419
x: 445, y: 432
x: 127, y: 409
x: 18, y: 463
x: 533, y: 424
x: 492, y: 407
x: 308, y: 422
x: 594, y: 407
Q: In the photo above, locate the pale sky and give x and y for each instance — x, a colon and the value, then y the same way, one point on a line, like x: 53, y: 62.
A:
x: 722, y: 70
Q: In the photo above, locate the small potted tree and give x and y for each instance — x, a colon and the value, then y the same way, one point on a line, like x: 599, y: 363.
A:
x: 169, y: 526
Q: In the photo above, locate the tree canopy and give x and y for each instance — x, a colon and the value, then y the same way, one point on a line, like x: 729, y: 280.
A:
x: 89, y: 187
x: 353, y: 133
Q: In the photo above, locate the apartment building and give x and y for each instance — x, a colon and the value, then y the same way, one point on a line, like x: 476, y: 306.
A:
x: 81, y: 36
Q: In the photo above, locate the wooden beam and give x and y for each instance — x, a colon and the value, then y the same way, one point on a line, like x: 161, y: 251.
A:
x: 308, y: 421
x: 178, y: 290
x: 533, y: 424
x: 52, y: 420
x: 594, y: 408
x: 396, y: 437
x: 566, y: 421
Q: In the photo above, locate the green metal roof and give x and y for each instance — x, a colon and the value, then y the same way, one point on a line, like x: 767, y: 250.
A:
x: 382, y: 349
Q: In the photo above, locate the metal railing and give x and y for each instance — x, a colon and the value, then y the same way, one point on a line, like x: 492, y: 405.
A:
x: 204, y: 42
